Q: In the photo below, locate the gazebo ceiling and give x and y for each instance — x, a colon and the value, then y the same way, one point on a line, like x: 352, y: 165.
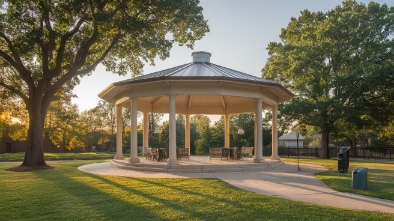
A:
x: 200, y: 88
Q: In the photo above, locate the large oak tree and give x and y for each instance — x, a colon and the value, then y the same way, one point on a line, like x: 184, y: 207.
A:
x: 339, y: 63
x: 47, y: 45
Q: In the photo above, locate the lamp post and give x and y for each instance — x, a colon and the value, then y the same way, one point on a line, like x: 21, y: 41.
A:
x: 298, y: 157
x: 239, y: 149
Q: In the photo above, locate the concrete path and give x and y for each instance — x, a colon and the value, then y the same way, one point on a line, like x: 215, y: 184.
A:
x: 284, y: 181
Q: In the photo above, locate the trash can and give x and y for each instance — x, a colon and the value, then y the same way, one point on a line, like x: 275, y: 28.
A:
x: 360, y: 178
x: 343, y: 159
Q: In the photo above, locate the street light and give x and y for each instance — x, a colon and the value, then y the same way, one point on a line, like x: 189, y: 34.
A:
x: 298, y: 157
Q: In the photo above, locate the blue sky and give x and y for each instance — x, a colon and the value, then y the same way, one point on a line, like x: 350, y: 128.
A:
x: 240, y: 33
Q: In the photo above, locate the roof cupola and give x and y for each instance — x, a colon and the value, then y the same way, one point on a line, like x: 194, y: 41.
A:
x: 201, y: 56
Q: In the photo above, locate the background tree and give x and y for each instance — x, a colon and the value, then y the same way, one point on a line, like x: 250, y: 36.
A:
x: 155, y: 119
x: 217, y: 133
x: 13, y: 117
x: 164, y: 136
x: 62, y: 122
x: 327, y: 58
x: 107, y: 113
x: 90, y: 124
x: 180, y: 130
x: 47, y: 45
x: 202, y: 125
x: 245, y: 122
x: 126, y: 127
x: 193, y: 138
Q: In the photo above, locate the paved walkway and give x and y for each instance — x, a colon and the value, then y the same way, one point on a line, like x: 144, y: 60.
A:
x: 284, y: 181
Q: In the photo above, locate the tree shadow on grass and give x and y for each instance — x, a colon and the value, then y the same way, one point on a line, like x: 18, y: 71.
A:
x: 186, y: 212
x: 29, y: 168
x: 89, y: 202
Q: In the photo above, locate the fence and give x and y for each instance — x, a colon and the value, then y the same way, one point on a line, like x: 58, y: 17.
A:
x: 355, y: 152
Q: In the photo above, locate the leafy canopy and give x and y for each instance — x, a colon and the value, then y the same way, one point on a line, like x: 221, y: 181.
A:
x: 339, y: 63
x: 51, y: 42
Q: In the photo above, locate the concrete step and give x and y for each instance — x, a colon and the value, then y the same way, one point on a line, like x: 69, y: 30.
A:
x: 192, y: 167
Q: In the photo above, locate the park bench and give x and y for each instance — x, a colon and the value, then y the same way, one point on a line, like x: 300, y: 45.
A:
x: 217, y: 152
x: 247, y: 151
x: 182, y: 153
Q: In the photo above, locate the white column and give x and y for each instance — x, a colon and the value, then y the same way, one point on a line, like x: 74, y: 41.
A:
x: 134, y: 143
x: 119, y: 154
x: 227, y: 130
x: 187, y: 132
x: 255, y: 135
x: 146, y: 133
x: 275, y: 155
x: 259, y: 139
x: 172, y: 135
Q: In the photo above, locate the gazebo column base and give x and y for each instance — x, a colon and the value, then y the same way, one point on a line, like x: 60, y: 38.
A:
x: 134, y: 160
x: 258, y: 160
x: 119, y: 157
x: 275, y: 158
x: 172, y: 162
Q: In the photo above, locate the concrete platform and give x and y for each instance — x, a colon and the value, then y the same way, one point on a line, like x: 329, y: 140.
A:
x: 198, y: 164
x: 274, y: 179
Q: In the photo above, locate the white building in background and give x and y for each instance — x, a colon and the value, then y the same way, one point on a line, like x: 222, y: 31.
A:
x: 290, y: 140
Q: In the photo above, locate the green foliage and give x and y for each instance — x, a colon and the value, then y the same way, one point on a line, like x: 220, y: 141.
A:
x: 13, y: 117
x: 46, y: 46
x: 180, y: 130
x: 339, y: 64
x: 63, y: 122
x: 217, y: 130
x: 246, y: 123
x: 35, y: 196
x: 202, y: 124
x: 154, y: 139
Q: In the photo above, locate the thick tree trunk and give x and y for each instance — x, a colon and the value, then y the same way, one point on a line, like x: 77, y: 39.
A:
x: 325, y: 140
x: 34, y: 155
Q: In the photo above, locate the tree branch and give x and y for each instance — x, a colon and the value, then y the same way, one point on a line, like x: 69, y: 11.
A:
x: 102, y: 57
x: 16, y: 62
x: 15, y: 91
x: 44, y: 50
x: 51, y: 44
x: 60, y: 51
x: 73, y: 72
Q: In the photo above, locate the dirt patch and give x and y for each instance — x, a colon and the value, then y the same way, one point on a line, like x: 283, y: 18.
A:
x: 29, y: 168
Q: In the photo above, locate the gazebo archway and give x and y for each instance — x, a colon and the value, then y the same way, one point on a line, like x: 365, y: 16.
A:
x: 199, y: 87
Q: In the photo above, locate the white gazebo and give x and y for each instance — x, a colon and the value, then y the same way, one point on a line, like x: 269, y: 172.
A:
x: 199, y: 87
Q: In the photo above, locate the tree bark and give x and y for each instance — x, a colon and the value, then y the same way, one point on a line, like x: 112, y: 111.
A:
x: 34, y: 155
x: 325, y: 140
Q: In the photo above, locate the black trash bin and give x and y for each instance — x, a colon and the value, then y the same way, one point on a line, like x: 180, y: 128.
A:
x: 343, y: 159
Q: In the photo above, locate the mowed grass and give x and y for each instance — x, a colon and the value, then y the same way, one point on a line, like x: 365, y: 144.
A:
x: 380, y: 176
x: 65, y: 193
x: 59, y: 156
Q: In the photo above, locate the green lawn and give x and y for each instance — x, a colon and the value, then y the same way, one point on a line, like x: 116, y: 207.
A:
x: 380, y: 176
x: 65, y: 193
x: 60, y: 156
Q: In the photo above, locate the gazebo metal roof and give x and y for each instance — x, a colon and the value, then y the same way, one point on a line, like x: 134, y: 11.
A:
x: 202, y: 83
x: 197, y: 70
